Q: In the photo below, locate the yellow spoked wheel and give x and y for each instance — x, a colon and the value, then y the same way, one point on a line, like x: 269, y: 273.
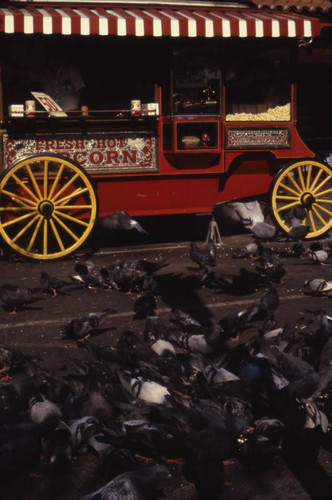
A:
x: 47, y: 207
x: 306, y: 184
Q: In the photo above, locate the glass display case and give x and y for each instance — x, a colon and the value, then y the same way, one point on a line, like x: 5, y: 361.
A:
x: 259, y: 88
x: 196, y: 83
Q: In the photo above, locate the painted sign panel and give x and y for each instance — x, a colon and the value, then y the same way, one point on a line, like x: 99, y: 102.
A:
x: 257, y: 138
x: 121, y: 153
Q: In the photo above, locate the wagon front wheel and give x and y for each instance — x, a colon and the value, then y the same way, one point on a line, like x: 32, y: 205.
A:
x: 306, y: 184
x: 48, y: 207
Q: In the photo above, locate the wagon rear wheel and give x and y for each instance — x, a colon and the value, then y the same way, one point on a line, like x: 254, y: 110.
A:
x: 47, y: 207
x: 306, y: 184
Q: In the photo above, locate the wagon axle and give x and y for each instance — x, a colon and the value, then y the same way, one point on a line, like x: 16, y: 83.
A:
x: 307, y: 200
x: 46, y: 208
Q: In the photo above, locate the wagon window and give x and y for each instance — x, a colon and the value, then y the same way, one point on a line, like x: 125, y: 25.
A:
x: 196, y: 83
x: 258, y: 88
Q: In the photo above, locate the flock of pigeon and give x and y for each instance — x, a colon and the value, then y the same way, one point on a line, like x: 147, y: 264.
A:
x: 244, y: 387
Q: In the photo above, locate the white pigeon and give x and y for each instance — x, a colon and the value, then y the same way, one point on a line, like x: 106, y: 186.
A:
x: 319, y: 286
x: 248, y: 214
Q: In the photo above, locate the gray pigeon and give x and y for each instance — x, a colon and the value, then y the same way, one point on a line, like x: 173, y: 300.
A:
x: 14, y: 297
x: 134, y: 485
x: 294, y: 217
x: 120, y: 221
x: 82, y: 326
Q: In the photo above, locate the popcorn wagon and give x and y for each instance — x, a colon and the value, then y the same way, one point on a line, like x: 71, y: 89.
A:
x: 190, y: 103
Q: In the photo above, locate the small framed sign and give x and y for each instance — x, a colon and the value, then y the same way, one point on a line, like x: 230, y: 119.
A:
x: 49, y: 104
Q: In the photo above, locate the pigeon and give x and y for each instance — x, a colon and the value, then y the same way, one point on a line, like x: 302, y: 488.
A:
x: 275, y: 273
x: 127, y: 279
x: 321, y: 255
x: 265, y: 307
x: 265, y: 257
x: 294, y: 217
x: 250, y: 250
x: 138, y: 484
x: 144, y: 265
x: 232, y: 325
x: 205, y: 277
x: 115, y: 461
x: 210, y: 249
x: 51, y: 284
x: 14, y: 297
x: 186, y: 319
x: 12, y: 360
x: 319, y: 287
x: 203, y: 257
x: 82, y: 326
x: 250, y: 216
x: 206, y: 343
x: 86, y: 276
x: 42, y: 409
x: 120, y: 221
x: 216, y: 375
x: 298, y: 248
x: 145, y: 305
x: 140, y: 388
x: 156, y: 335
x: 263, y: 231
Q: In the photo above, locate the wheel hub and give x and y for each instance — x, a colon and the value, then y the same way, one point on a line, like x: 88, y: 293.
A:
x: 46, y: 208
x: 307, y: 200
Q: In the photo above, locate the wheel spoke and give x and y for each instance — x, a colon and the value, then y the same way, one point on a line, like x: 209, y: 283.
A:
x: 287, y: 206
x: 323, y: 201
x: 56, y: 181
x: 34, y: 182
x: 23, y: 186
x: 77, y: 192
x: 25, y: 228
x: 299, y: 171
x: 311, y: 218
x: 73, y: 179
x: 34, y: 234
x: 71, y: 207
x: 308, y: 177
x: 63, y: 225
x: 324, y: 181
x: 323, y: 209
x: 295, y: 184
x: 17, y: 209
x: 289, y: 189
x: 324, y: 192
x: 18, y: 219
x: 45, y: 236
x: 316, y: 179
x: 45, y: 178
x: 69, y: 217
x: 56, y: 234
x: 284, y: 197
x: 19, y: 199
x: 323, y: 221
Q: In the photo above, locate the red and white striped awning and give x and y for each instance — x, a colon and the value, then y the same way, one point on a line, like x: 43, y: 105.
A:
x: 156, y: 22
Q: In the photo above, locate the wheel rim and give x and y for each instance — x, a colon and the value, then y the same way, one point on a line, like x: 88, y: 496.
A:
x: 47, y: 207
x: 307, y: 184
